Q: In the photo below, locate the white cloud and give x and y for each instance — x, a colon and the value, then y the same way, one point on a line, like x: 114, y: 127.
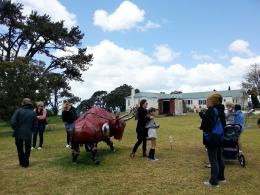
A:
x: 164, y: 53
x: 53, y: 8
x: 114, y: 66
x: 149, y: 25
x: 241, y: 46
x: 201, y: 57
x: 125, y: 17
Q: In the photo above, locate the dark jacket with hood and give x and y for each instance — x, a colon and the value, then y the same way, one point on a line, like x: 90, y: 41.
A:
x: 142, y: 119
x: 24, y: 122
x: 208, y: 120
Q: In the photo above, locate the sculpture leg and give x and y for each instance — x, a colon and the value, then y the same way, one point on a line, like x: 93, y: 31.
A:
x: 109, y: 143
x: 94, y: 153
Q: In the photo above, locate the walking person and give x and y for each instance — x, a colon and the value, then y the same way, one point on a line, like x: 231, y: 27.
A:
x: 213, y: 123
x: 152, y: 135
x: 41, y: 116
x: 140, y: 128
x: 24, y: 122
x: 69, y: 116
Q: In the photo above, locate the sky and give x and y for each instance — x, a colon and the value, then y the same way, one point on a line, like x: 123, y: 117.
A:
x: 164, y: 45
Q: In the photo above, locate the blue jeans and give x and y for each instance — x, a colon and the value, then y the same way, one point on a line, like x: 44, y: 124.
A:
x: 69, y: 129
x: 217, y: 164
x: 40, y: 129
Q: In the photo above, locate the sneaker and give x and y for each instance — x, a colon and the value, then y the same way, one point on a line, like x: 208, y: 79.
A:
x: 210, y: 185
x: 223, y: 181
x: 132, y: 155
x: 67, y: 146
x: 39, y: 148
x: 153, y: 159
x: 32, y: 148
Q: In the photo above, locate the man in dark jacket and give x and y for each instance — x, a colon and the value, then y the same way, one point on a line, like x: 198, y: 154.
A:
x: 214, y: 148
x: 24, y: 122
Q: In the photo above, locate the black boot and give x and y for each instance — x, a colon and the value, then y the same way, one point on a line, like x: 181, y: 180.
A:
x: 144, y: 154
x: 150, y: 154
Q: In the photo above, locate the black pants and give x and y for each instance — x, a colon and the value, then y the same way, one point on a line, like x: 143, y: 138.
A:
x: 24, y: 150
x: 138, y: 143
x: 40, y: 129
x: 69, y: 138
x: 217, y: 164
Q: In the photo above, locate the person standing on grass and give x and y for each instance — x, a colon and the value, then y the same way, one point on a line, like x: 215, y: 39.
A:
x: 152, y: 135
x: 41, y: 116
x: 140, y: 128
x: 24, y: 122
x: 213, y: 123
x: 69, y: 116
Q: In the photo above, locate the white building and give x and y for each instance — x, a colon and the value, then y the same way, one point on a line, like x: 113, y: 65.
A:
x: 196, y: 99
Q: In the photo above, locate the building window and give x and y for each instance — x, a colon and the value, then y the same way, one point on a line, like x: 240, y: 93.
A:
x: 189, y: 102
x: 202, y: 102
x: 224, y: 100
x: 128, y: 102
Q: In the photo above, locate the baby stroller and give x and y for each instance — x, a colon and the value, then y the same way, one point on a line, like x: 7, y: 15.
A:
x: 231, y: 146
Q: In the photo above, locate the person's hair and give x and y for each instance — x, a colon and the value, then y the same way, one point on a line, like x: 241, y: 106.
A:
x: 230, y: 105
x: 40, y: 103
x: 237, y: 107
x: 65, y: 102
x: 214, y: 99
x: 142, y: 102
x: 26, y: 101
x: 151, y: 110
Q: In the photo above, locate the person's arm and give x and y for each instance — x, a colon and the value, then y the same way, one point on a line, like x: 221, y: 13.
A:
x: 75, y: 116
x: 63, y: 116
x: 43, y: 116
x: 208, y: 121
x: 35, y: 122
x: 14, y: 119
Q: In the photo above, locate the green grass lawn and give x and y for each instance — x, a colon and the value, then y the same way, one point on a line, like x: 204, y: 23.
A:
x: 179, y: 171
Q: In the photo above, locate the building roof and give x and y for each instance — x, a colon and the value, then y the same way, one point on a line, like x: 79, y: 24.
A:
x: 194, y: 95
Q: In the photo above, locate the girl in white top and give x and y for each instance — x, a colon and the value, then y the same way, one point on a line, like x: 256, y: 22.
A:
x: 152, y: 135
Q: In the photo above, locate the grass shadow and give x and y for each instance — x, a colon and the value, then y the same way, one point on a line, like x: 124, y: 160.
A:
x: 85, y: 160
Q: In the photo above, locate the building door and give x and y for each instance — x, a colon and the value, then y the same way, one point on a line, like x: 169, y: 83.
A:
x: 166, y: 107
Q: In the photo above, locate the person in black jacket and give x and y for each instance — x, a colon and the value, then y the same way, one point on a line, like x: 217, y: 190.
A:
x: 69, y: 115
x: 214, y: 149
x: 24, y: 122
x: 140, y: 128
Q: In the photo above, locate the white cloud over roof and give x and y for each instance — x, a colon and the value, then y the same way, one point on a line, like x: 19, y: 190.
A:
x: 240, y: 46
x: 163, y: 53
x: 125, y: 17
x: 114, y: 65
x: 53, y: 8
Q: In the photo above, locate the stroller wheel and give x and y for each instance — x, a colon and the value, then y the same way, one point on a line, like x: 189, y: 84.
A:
x: 242, y: 160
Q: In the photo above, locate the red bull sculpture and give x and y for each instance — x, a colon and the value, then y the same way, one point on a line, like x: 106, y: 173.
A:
x: 94, y: 126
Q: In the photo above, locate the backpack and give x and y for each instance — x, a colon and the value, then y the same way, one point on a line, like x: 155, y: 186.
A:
x: 216, y: 136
